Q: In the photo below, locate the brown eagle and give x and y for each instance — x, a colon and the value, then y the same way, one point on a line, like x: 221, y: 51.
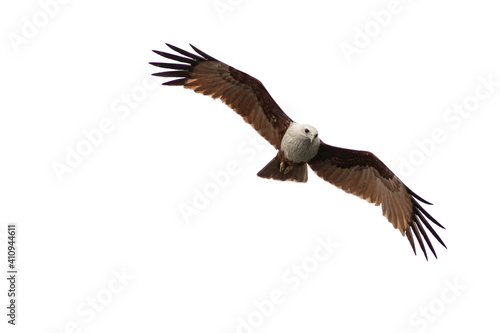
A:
x: 357, y: 172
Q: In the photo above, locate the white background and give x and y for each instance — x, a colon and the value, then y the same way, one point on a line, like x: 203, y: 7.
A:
x: 118, y: 210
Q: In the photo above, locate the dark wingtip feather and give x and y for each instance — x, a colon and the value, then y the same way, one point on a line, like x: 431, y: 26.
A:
x: 170, y: 66
x: 429, y: 227
x: 178, y: 82
x: 427, y: 240
x: 419, y: 239
x: 176, y: 57
x: 184, y: 67
x: 185, y: 53
x: 203, y: 54
x: 413, y: 194
x: 410, y: 239
x: 173, y: 74
x: 418, y: 222
x: 429, y: 216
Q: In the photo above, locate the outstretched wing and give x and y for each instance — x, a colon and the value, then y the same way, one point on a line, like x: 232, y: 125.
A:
x: 243, y: 93
x: 361, y: 173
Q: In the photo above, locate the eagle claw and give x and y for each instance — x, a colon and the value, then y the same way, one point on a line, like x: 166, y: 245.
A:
x: 285, y: 168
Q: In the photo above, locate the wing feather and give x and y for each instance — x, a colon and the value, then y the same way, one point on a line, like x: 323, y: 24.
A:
x: 246, y: 95
x: 361, y: 173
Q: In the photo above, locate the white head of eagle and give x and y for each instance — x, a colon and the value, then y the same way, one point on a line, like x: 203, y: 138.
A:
x: 300, y: 143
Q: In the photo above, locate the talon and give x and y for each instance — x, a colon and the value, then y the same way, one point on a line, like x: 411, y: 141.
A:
x: 283, y: 166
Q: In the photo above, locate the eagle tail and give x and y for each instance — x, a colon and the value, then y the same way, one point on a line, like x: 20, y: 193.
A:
x: 272, y: 171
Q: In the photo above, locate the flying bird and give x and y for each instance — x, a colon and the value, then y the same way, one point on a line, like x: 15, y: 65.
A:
x: 357, y: 172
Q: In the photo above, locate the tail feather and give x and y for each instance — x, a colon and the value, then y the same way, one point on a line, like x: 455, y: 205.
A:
x: 272, y: 171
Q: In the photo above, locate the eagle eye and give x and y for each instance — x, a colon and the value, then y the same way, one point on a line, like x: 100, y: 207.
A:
x: 307, y: 130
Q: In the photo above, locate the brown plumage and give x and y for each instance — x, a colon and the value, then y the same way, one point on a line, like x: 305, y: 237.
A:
x: 361, y: 173
x: 357, y: 172
x: 241, y: 92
